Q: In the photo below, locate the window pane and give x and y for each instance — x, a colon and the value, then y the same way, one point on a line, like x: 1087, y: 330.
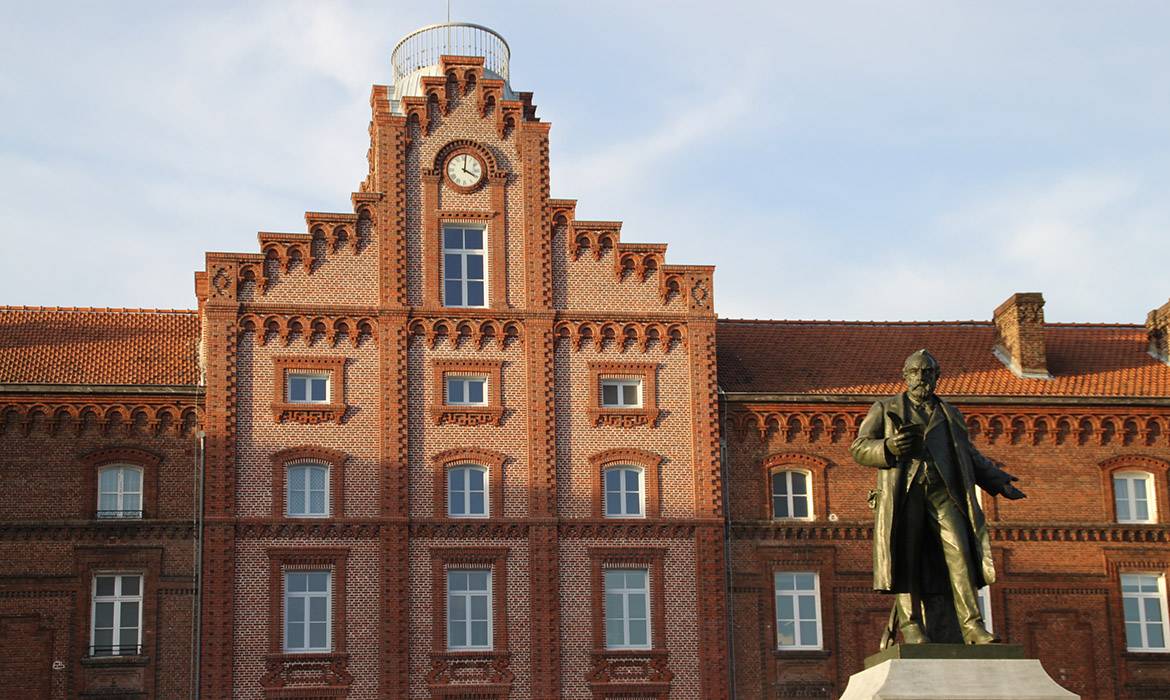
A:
x: 799, y: 486
x: 479, y: 636
x: 478, y: 580
x: 633, y: 503
x: 1139, y: 489
x: 479, y: 607
x: 475, y: 267
x: 613, y: 480
x: 784, y: 607
x: 476, y: 504
x: 473, y: 239
x: 317, y: 502
x: 1133, y: 635
x: 452, y: 238
x: 296, y: 502
x: 457, y: 609
x: 455, y: 479
x: 295, y: 583
x: 614, y: 579
x: 786, y: 633
x: 475, y: 293
x: 128, y: 616
x: 805, y: 582
x: 103, y: 615
x: 780, y: 483
x: 638, y: 633
x: 1154, y: 637
x: 636, y: 579
x: 108, y: 479
x: 785, y: 582
x: 295, y: 609
x: 800, y: 506
x: 1141, y: 511
x: 475, y: 479
x: 130, y: 585
x: 318, y: 389
x: 296, y: 389
x: 108, y: 501
x: 455, y: 391
x: 475, y: 391
x: 1149, y: 584
x: 132, y: 502
x: 780, y: 507
x: 637, y: 606
x: 457, y: 580
x: 316, y: 478
x: 808, y: 607
x: 1153, y: 610
x: 131, y: 480
x: 614, y: 633
x: 609, y: 394
x: 318, y: 581
x: 630, y: 394
x: 1131, y: 609
x: 105, y: 585
x: 631, y: 479
x: 103, y: 640
x: 613, y: 503
x: 452, y: 266
x: 296, y: 636
x: 453, y: 293
x: 456, y: 632
x: 808, y: 634
x: 317, y: 609
x: 1129, y: 582
x: 317, y: 638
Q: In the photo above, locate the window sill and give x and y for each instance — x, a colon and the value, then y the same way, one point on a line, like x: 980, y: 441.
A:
x: 468, y: 415
x: 114, y: 661
x: 623, y: 417
x: 801, y: 654
x: 308, y: 413
x: 1158, y: 655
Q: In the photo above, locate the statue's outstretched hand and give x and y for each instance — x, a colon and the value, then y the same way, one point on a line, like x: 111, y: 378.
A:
x: 900, y: 444
x: 1009, y: 491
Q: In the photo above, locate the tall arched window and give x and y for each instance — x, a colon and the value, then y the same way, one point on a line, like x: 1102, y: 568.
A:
x: 307, y: 491
x: 792, y: 494
x: 119, y: 492
x: 624, y: 492
x: 467, y: 495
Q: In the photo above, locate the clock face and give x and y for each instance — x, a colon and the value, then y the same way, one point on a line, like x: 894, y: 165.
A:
x: 465, y: 170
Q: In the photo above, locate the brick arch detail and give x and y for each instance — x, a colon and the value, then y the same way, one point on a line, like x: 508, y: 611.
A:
x: 467, y: 146
x: 1159, y: 469
x: 335, y: 459
x: 133, y: 456
x: 816, y: 467
x: 650, y: 463
x: 494, y: 461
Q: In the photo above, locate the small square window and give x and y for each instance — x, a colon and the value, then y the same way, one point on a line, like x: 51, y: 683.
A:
x: 467, y: 391
x: 308, y: 388
x: 621, y: 393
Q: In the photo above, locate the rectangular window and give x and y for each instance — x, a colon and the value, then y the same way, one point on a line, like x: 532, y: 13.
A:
x: 621, y: 393
x: 308, y: 388
x: 798, y: 610
x: 307, y: 614
x: 469, y: 609
x: 467, y: 391
x: 1144, y: 599
x: 1133, y: 495
x: 464, y: 281
x: 116, y: 622
x: 984, y: 599
x: 627, y: 609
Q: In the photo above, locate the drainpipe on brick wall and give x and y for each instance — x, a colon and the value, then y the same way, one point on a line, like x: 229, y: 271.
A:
x: 196, y: 623
x: 728, y: 575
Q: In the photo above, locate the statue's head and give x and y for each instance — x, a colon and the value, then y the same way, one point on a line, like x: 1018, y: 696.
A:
x: 921, y: 372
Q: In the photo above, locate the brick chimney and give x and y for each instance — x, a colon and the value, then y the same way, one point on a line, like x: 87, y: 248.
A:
x: 1019, y: 335
x: 1158, y: 331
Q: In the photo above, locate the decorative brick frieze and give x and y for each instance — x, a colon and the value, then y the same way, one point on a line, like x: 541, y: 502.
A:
x: 479, y: 332
x: 492, y: 413
x: 639, y: 259
x: 619, y: 335
x: 309, y: 413
x: 287, y: 249
x: 624, y: 416
x: 337, y: 228
x: 109, y: 416
x: 307, y: 328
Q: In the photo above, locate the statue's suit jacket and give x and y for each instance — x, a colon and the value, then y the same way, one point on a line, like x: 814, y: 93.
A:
x: 972, y: 469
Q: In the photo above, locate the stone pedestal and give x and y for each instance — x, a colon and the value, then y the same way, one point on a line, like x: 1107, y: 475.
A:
x: 953, y: 672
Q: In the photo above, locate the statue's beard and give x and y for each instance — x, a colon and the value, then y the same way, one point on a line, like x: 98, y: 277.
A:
x: 921, y: 392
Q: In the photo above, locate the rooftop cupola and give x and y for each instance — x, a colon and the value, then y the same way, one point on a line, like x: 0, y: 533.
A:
x: 420, y: 53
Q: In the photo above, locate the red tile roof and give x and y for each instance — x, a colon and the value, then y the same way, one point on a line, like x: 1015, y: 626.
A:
x: 51, y: 345
x: 826, y: 357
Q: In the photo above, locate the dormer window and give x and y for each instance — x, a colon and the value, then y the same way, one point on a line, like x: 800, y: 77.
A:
x: 464, y: 277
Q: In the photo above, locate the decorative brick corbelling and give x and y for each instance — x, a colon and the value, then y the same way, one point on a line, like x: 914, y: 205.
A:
x: 307, y: 328
x: 105, y: 415
x: 619, y: 335
x: 479, y: 332
x: 492, y: 460
x: 646, y: 414
x: 650, y: 463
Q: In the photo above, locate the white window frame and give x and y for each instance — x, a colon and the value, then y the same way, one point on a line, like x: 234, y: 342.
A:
x: 790, y: 498
x: 621, y: 383
x: 307, y: 596
x: 467, y: 620
x: 1158, y: 595
x: 487, y: 489
x: 1131, y: 501
x: 625, y: 594
x: 308, y: 377
x: 118, y: 599
x: 984, y: 597
x: 288, y: 490
x: 120, y: 492
x: 623, y: 492
x: 463, y: 254
x: 796, y: 616
x: 466, y: 378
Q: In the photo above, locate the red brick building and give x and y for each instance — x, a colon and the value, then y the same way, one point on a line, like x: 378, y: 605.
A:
x: 456, y: 443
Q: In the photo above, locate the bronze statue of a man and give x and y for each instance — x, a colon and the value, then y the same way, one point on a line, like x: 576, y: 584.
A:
x: 929, y: 535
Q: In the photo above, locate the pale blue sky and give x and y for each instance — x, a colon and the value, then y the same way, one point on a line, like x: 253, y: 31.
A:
x: 847, y: 160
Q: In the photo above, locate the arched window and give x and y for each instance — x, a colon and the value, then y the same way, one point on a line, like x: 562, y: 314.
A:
x: 1133, y: 496
x: 792, y: 494
x: 467, y: 495
x: 307, y: 491
x: 119, y: 492
x: 624, y: 492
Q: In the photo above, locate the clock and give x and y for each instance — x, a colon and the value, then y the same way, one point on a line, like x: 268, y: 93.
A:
x: 465, y: 171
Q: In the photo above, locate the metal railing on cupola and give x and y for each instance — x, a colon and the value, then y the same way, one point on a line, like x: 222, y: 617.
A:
x: 423, y: 47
